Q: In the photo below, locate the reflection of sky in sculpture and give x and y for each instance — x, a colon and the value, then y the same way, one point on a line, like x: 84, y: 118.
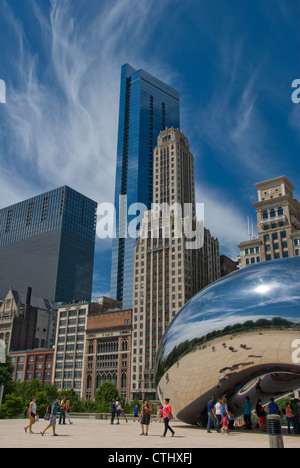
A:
x: 267, y: 290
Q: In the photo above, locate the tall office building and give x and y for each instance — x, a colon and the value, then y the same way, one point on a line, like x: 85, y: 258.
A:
x: 278, y: 224
x: 147, y: 106
x: 167, y: 272
x: 48, y: 243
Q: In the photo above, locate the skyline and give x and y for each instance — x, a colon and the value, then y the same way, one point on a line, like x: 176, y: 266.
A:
x: 232, y: 64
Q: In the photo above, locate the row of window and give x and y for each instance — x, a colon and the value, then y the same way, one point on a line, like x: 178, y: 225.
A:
x: 272, y: 213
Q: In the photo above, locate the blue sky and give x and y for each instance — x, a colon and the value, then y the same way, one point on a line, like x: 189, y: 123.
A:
x: 232, y: 61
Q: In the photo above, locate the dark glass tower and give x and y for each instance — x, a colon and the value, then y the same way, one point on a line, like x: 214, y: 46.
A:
x: 147, y: 106
x: 48, y: 243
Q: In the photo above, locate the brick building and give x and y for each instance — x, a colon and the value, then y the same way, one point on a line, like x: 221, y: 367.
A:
x: 108, y: 351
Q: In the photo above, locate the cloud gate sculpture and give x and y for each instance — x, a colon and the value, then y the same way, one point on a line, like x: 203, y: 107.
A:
x: 239, y: 336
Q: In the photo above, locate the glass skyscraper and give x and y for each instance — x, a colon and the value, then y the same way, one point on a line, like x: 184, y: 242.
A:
x: 48, y: 243
x: 147, y: 106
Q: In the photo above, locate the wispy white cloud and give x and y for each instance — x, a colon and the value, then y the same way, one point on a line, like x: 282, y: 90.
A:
x: 223, y: 218
x: 63, y: 120
x: 231, y: 123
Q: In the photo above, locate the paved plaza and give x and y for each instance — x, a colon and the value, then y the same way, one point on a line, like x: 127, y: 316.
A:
x: 91, y: 433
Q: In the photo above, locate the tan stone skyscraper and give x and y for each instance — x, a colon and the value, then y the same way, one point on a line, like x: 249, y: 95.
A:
x: 278, y: 224
x: 169, y: 269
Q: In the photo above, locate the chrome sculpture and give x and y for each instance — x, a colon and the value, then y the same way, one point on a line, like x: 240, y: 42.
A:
x: 239, y: 336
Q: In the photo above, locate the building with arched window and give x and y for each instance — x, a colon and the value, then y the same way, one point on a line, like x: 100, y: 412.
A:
x: 278, y: 224
x: 108, y: 351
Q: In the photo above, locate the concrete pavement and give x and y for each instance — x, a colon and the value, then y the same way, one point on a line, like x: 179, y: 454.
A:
x: 85, y: 433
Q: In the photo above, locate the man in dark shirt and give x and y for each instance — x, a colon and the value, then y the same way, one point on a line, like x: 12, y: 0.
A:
x: 272, y: 407
x: 211, y: 415
x: 113, y: 411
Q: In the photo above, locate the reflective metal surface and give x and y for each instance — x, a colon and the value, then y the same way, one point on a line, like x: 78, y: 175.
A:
x: 238, y: 336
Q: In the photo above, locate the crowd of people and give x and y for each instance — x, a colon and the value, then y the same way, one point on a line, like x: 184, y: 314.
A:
x: 164, y: 413
x: 50, y: 415
x: 221, y: 416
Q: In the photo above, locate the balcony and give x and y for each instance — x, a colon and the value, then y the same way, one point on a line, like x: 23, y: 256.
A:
x: 275, y: 219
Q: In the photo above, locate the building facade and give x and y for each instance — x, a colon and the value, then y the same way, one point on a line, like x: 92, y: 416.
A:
x: 48, y: 243
x: 71, y: 342
x: 147, y: 106
x: 108, y: 356
x: 36, y: 364
x: 70, y: 347
x: 167, y: 273
x: 27, y: 322
x: 278, y: 224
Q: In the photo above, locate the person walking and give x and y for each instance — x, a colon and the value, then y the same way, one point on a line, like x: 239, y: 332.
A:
x: 211, y: 415
x: 146, y: 417
x: 167, y: 412
x: 225, y: 410
x: 53, y: 416
x: 31, y: 413
x: 260, y: 413
x: 120, y: 412
x: 67, y: 410
x: 247, y: 413
x: 218, y: 412
x: 296, y: 412
x: 290, y: 418
x: 62, y: 416
x: 272, y: 408
x: 135, y: 412
x: 113, y: 411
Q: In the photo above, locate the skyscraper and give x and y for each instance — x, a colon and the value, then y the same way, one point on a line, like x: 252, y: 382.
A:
x: 278, y: 224
x: 147, y: 106
x: 167, y: 272
x: 48, y: 243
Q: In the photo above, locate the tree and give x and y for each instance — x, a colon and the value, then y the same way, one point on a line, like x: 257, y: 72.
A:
x: 6, y: 371
x: 105, y: 394
x: 12, y: 407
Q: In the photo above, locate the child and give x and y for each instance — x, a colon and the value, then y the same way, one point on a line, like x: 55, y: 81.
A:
x: 136, y: 412
x: 225, y: 426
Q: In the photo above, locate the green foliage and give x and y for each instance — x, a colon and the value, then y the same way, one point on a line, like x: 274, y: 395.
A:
x: 105, y: 394
x: 18, y: 395
x: 6, y: 371
x: 12, y: 407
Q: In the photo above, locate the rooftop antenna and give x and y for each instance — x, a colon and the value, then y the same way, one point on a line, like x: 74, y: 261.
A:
x: 249, y: 236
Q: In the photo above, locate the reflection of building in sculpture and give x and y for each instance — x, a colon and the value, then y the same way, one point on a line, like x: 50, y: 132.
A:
x: 237, y: 337
x: 168, y: 271
x: 278, y: 224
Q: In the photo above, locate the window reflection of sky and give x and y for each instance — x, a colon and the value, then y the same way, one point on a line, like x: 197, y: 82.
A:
x: 268, y: 290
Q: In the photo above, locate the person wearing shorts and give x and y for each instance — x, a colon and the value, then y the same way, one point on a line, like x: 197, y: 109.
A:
x: 53, y: 417
x: 260, y: 413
